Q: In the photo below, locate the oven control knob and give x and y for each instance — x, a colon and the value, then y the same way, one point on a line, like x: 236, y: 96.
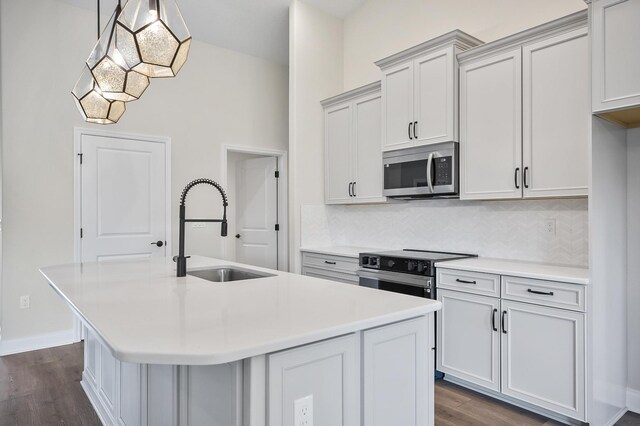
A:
x: 365, y: 260
x: 373, y: 261
x: 391, y: 263
x: 411, y: 265
x: 420, y: 267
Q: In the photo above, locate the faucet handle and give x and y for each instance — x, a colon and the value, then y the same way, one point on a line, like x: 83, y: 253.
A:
x: 175, y: 258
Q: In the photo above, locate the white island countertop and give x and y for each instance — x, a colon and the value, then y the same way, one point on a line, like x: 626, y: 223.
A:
x: 145, y: 315
x: 542, y: 271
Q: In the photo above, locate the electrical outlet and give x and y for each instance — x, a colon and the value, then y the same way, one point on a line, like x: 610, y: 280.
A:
x: 550, y: 226
x: 199, y: 225
x: 303, y: 411
x: 25, y: 302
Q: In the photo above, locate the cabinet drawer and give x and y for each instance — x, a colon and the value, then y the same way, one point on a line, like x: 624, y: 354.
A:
x: 548, y: 293
x: 470, y: 282
x: 330, y: 263
x: 342, y: 277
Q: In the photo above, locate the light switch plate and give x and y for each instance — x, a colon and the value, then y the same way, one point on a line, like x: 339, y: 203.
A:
x: 303, y: 411
x: 25, y: 302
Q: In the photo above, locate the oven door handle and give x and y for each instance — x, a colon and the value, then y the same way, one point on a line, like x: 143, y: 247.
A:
x: 396, y: 278
x: 429, y: 166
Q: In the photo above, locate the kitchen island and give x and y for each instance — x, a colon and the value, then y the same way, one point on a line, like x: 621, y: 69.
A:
x: 161, y: 350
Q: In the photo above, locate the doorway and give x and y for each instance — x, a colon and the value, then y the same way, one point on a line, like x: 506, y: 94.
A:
x: 257, y: 187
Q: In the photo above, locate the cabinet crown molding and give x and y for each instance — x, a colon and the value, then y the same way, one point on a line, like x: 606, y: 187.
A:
x: 456, y: 38
x: 566, y: 23
x: 352, y: 94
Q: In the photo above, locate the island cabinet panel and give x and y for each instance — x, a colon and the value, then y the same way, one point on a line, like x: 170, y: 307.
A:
x: 91, y: 359
x: 531, y: 334
x: 398, y: 374
x: 107, y: 382
x: 211, y: 395
x: 130, y: 394
x: 162, y: 397
x: 327, y: 371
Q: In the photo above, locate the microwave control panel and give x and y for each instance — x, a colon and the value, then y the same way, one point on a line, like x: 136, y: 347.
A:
x: 443, y: 170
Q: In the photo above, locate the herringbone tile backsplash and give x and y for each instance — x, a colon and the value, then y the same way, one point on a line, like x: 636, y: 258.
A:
x: 501, y: 229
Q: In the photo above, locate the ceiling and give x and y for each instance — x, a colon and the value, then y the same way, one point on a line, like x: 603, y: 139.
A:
x: 255, y: 27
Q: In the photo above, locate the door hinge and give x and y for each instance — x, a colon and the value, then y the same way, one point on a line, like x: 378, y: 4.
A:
x: 277, y: 226
x: 81, y: 233
x: 277, y: 174
x: 80, y: 155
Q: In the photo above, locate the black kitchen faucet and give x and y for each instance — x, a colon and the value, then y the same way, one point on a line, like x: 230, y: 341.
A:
x: 181, y: 259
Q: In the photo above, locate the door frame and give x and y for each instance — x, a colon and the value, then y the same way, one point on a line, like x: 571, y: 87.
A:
x: 78, y: 132
x: 283, y: 195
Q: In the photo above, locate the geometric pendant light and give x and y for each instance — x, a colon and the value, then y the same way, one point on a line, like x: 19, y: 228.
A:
x: 152, y: 37
x: 91, y: 103
x: 112, y: 73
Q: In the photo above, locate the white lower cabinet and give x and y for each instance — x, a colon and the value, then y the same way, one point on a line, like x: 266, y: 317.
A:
x: 522, y: 350
x: 543, y: 357
x: 469, y: 338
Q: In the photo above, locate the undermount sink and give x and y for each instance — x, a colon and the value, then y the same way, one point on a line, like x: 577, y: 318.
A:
x: 226, y: 273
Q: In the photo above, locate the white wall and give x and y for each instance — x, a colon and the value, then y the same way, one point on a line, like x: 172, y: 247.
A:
x: 506, y: 229
x: 633, y: 266
x: 219, y: 97
x: 380, y: 28
x: 315, y: 73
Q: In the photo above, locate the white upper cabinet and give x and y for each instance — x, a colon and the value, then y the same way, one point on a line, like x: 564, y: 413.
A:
x: 339, y: 173
x: 353, y: 155
x: 398, y: 107
x: 490, y: 127
x: 556, y: 116
x: 616, y: 58
x: 524, y: 114
x: 419, y: 92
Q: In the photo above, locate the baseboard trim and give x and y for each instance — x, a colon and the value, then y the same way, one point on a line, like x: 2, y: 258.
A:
x: 40, y: 341
x: 633, y: 400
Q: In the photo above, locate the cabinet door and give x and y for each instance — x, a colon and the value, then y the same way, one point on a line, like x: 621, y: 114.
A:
x: 397, y: 115
x: 543, y: 358
x: 328, y: 371
x: 469, y: 338
x: 556, y: 116
x: 616, y: 57
x: 368, y: 149
x: 338, y: 158
x: 490, y: 127
x: 435, y: 96
x: 398, y: 374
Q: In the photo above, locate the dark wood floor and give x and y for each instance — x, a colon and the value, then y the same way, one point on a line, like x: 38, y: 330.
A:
x: 43, y: 388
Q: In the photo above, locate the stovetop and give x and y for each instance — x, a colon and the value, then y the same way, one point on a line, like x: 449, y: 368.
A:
x: 409, y: 261
x: 422, y: 254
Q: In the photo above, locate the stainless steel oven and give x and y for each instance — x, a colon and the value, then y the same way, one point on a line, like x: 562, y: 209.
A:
x: 397, y: 282
x: 422, y: 172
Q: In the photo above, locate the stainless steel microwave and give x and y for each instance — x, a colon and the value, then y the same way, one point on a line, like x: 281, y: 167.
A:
x: 423, y: 172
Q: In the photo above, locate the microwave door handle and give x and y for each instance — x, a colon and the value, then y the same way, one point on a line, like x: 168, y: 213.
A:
x: 429, y: 166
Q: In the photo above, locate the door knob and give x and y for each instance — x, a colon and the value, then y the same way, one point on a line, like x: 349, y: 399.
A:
x: 237, y: 235
x: 158, y: 243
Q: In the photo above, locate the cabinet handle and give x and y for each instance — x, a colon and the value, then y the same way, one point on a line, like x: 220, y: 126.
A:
x: 465, y: 282
x: 410, y: 137
x: 350, y: 195
x: 415, y: 130
x: 524, y: 179
x: 354, y: 189
x: 504, y: 330
x: 515, y: 177
x: 493, y: 320
x: 329, y: 263
x: 544, y: 293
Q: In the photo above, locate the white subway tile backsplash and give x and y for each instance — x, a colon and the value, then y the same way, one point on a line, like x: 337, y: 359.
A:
x: 502, y: 229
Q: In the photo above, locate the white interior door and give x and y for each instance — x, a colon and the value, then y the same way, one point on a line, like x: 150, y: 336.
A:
x: 257, y: 212
x: 123, y: 195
